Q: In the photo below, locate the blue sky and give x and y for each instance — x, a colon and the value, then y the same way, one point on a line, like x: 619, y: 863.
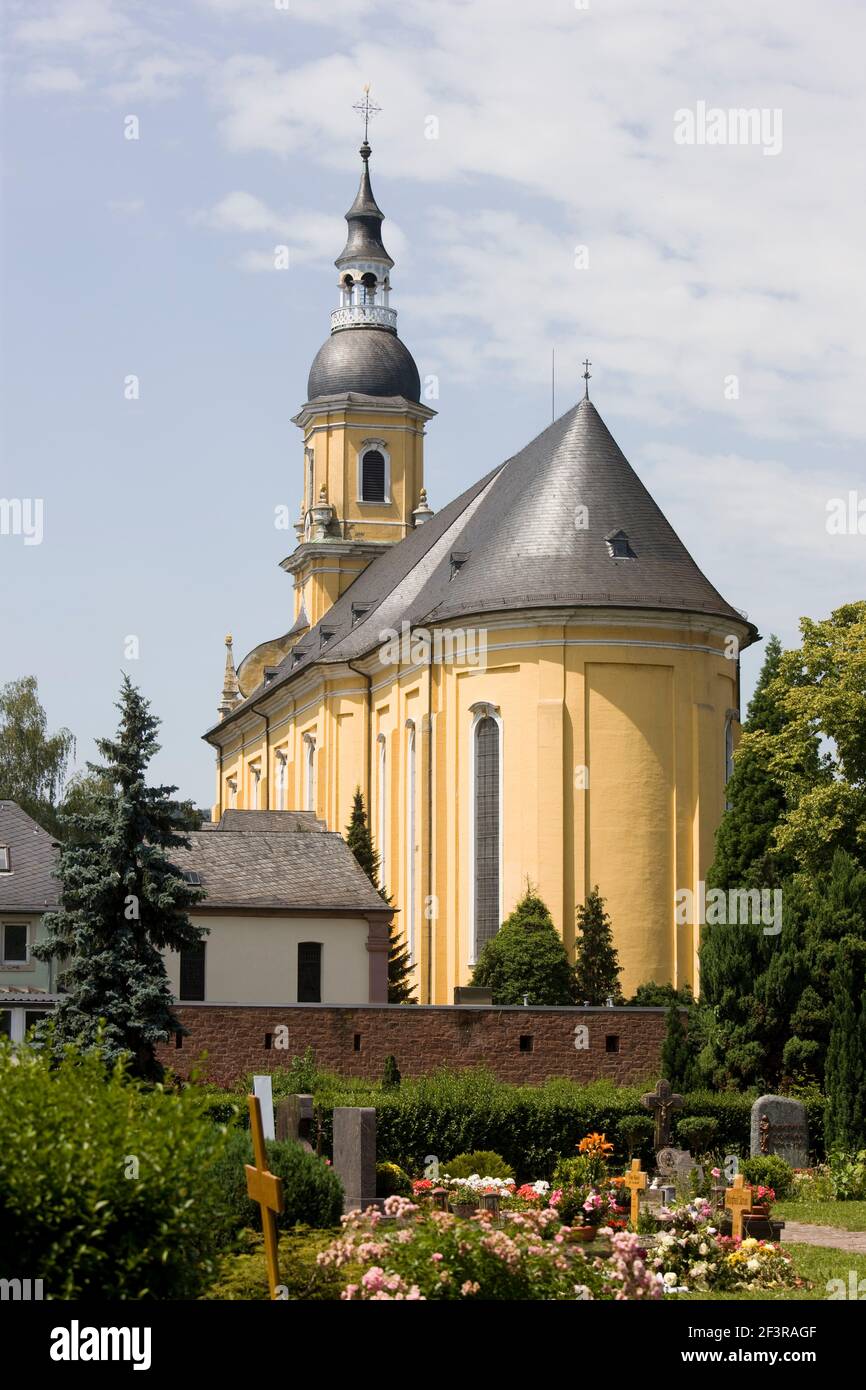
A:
x: 554, y: 130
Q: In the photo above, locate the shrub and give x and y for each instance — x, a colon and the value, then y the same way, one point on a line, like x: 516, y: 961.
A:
x: 482, y: 1161
x: 390, y: 1073
x: 848, y: 1176
x: 313, y: 1192
x: 242, y: 1275
x: 635, y: 1132
x: 698, y: 1132
x: 770, y: 1171
x: 392, y: 1181
x: 108, y: 1188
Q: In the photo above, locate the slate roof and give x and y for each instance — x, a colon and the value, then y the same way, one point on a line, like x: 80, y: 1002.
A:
x: 365, y: 218
x: 269, y: 822
x: 366, y: 361
x: 31, y: 886
x: 314, y: 873
x: 518, y: 531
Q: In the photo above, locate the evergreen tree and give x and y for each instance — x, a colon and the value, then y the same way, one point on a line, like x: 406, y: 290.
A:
x: 597, y: 968
x: 843, y: 1077
x: 526, y: 957
x: 678, y: 1058
x: 32, y: 762
x: 360, y: 842
x: 123, y: 903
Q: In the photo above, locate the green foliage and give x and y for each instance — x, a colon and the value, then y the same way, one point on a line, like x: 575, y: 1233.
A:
x: 392, y: 1181
x: 390, y: 1073
x: 678, y: 1052
x: 32, y: 762
x: 108, y: 1188
x: 597, y: 968
x: 845, y: 1072
x: 242, y: 1275
x: 313, y: 1192
x: 484, y: 1162
x: 123, y: 903
x: 848, y: 1176
x: 654, y: 996
x: 698, y: 1133
x: 359, y: 838
x: 635, y: 1132
x: 526, y: 957
x: 769, y: 1170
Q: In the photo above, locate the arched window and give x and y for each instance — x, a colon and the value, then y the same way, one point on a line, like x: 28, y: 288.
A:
x: 382, y: 819
x: 309, y: 772
x: 369, y: 291
x: 281, y: 781
x: 373, y: 476
x: 409, y: 906
x: 255, y: 778
x: 486, y: 881
x: 309, y: 972
x: 233, y: 792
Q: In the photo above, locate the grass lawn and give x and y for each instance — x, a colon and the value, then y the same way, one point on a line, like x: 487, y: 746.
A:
x: 812, y: 1262
x: 849, y: 1216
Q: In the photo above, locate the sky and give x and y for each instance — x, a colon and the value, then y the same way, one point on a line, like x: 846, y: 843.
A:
x: 561, y: 176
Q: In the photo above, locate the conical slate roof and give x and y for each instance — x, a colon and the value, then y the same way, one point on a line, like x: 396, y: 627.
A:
x: 543, y: 530
x: 365, y: 219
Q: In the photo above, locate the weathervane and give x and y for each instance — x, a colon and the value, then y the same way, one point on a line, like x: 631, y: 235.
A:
x: 586, y: 375
x: 367, y: 108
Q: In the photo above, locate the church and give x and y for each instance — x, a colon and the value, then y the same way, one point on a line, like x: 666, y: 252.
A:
x: 534, y: 684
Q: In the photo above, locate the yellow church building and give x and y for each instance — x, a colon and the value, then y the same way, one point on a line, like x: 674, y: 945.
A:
x: 534, y: 683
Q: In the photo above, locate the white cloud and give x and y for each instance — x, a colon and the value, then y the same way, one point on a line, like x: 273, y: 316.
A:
x: 311, y: 236
x: 54, y: 79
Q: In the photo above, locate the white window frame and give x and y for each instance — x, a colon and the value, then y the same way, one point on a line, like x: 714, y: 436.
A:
x: 482, y: 709
x: 6, y: 851
x: 282, y: 770
x: 18, y: 1020
x: 255, y: 783
x: 310, y: 772
x: 367, y: 446
x: 232, y: 787
x: 411, y: 779
x: 15, y: 964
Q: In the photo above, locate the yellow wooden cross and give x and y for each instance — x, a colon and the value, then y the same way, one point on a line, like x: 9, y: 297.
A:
x: 737, y: 1199
x: 636, y: 1180
x: 266, y: 1189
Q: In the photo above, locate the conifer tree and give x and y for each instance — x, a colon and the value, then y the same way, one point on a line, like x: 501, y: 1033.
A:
x: 122, y: 902
x: 677, y: 1061
x: 843, y: 1076
x: 360, y: 842
x: 597, y: 968
x: 526, y: 957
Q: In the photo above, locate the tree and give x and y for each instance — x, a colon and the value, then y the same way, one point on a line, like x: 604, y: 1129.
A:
x: 844, y: 1078
x: 360, y: 841
x: 123, y: 902
x: 33, y: 762
x: 526, y: 957
x: 597, y: 968
x: 677, y: 1059
x: 650, y: 995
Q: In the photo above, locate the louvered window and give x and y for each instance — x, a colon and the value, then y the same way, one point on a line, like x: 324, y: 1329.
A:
x: 309, y: 972
x: 487, y: 867
x: 373, y: 476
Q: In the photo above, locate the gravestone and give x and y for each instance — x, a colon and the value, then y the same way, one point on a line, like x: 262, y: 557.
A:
x: 662, y: 1102
x: 263, y: 1088
x: 676, y: 1167
x: 294, y: 1120
x: 779, y: 1126
x: 355, y: 1155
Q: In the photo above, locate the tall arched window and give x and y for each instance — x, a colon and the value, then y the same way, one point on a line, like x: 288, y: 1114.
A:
x: 255, y: 778
x: 233, y: 792
x: 486, y: 879
x: 409, y: 906
x: 373, y: 487
x: 382, y: 819
x: 309, y: 772
x: 281, y: 781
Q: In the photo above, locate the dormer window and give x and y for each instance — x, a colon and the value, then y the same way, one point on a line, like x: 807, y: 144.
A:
x: 619, y: 546
x: 373, y: 481
x: 5, y: 860
x: 325, y: 636
x: 458, y: 560
x: 359, y: 611
x: 193, y: 877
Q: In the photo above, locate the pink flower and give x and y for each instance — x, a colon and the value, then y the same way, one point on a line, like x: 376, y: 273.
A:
x: 716, y: 1172
x: 470, y: 1287
x: 436, y: 1256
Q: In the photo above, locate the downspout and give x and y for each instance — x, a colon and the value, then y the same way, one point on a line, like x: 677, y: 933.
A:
x: 369, y: 698
x: 429, y: 831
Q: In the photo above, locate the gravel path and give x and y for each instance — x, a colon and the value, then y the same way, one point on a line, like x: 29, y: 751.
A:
x: 798, y: 1233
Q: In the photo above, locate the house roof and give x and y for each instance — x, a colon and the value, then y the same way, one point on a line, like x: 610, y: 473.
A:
x: 269, y: 822
x: 302, y: 873
x: 532, y: 533
x: 31, y: 885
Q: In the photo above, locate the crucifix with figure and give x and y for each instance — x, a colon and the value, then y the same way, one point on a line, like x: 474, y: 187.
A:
x: 265, y: 1188
x: 663, y: 1102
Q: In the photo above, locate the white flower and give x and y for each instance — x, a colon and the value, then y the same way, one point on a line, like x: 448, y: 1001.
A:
x: 703, y: 1248
x: 670, y: 1278
x: 753, y: 1265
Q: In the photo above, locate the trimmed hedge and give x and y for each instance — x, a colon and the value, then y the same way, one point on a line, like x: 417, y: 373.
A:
x: 313, y: 1192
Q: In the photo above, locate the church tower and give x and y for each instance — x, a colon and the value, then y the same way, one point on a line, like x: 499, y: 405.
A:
x: 363, y: 426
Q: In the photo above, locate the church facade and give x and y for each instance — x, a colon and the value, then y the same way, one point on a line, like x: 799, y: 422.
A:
x: 535, y: 683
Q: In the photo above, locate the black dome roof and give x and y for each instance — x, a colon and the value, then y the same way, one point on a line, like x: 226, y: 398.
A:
x: 370, y: 361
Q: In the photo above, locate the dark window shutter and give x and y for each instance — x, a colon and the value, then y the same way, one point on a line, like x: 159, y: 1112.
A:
x: 309, y: 972
x: 192, y: 972
x: 486, y: 832
x: 373, y: 477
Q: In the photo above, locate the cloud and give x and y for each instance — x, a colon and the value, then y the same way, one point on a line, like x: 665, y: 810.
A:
x: 311, y: 236
x: 54, y: 79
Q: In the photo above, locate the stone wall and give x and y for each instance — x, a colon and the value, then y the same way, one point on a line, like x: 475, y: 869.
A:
x: 516, y: 1044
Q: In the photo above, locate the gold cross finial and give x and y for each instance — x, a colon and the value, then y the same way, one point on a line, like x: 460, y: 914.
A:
x: 367, y: 109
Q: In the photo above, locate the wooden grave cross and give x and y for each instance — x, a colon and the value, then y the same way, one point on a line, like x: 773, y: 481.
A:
x: 636, y: 1181
x: 737, y: 1199
x: 266, y: 1189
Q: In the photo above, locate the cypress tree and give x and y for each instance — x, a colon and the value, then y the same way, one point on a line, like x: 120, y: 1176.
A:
x: 677, y: 1059
x: 843, y: 1075
x: 597, y: 968
x: 360, y: 842
x: 526, y: 957
x: 123, y: 903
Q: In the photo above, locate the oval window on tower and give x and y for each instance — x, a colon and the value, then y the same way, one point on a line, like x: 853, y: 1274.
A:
x: 373, y: 476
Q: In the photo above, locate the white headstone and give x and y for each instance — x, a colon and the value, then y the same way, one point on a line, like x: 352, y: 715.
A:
x: 263, y: 1088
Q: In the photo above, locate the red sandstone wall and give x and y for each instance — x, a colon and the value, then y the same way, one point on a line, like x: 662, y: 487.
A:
x: 354, y: 1041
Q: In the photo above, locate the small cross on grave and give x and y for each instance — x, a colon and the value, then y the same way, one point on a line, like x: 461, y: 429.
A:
x: 738, y: 1199
x: 663, y: 1102
x: 635, y: 1180
x: 266, y: 1189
